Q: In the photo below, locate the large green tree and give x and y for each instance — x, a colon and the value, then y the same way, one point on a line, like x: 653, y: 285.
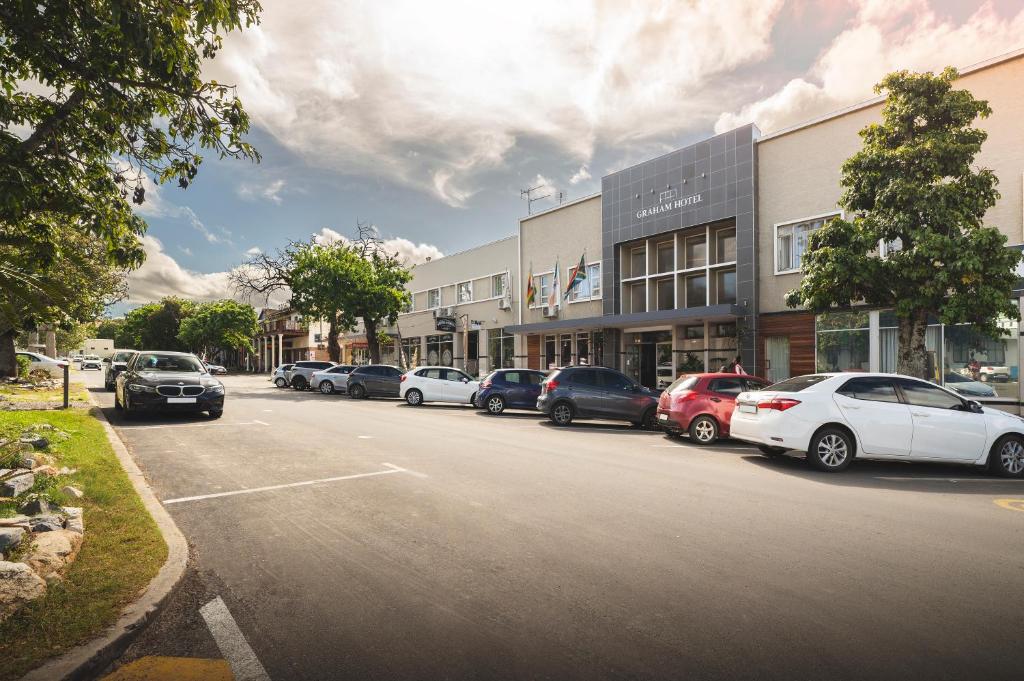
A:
x: 318, y: 277
x: 220, y: 325
x: 155, y: 326
x: 914, y: 187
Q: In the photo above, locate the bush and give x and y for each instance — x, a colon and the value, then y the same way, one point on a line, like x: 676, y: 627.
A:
x: 23, y: 366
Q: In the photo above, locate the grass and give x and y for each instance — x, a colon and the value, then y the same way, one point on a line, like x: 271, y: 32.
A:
x: 76, y: 393
x: 122, y: 551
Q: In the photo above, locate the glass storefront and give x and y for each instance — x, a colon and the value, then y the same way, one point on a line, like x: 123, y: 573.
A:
x: 411, y: 351
x: 440, y: 350
x: 721, y: 345
x: 842, y: 340
x: 500, y: 349
x: 550, y: 352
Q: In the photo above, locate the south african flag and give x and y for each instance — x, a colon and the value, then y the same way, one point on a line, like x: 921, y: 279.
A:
x: 578, y: 274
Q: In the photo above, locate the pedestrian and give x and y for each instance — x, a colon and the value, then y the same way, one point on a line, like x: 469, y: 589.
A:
x: 736, y: 367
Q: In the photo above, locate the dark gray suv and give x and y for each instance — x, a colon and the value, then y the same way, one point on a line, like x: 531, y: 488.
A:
x: 596, y: 393
x: 374, y: 380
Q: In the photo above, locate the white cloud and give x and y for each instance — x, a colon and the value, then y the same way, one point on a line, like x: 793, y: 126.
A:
x: 430, y: 94
x: 255, y: 250
x: 581, y: 175
x: 885, y: 35
x: 185, y: 249
x: 270, y: 191
x: 410, y: 253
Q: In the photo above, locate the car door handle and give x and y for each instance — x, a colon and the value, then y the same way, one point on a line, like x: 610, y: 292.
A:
x: 850, y: 406
x: 716, y: 399
x: 921, y: 416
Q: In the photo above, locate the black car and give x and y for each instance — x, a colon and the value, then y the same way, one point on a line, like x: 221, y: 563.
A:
x: 115, y: 364
x: 168, y: 381
x: 374, y: 380
x: 596, y: 393
x: 510, y: 389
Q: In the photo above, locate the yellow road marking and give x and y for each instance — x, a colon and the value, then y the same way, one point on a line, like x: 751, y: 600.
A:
x: 1011, y: 504
x: 158, y: 668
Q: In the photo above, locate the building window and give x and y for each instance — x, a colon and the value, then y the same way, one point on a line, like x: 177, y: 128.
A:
x: 433, y: 298
x: 841, y: 341
x: 791, y: 242
x: 440, y: 350
x: 696, y: 251
x: 589, y: 288
x: 666, y: 256
x: 887, y: 248
x: 411, y: 351
x: 666, y: 294
x: 550, y: 348
x: 565, y: 345
x: 500, y: 348
x: 638, y: 297
x: 464, y: 292
x: 725, y: 285
x: 499, y: 284
x: 583, y: 348
x: 696, y: 290
x: 638, y: 262
x: 725, y: 245
x: 542, y: 284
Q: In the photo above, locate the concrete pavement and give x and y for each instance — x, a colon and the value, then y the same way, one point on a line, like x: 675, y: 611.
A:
x: 394, y: 542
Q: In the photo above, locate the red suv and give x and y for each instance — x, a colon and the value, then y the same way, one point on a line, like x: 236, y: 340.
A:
x: 701, y: 404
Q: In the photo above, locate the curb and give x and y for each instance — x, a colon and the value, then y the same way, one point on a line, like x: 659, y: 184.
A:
x: 89, y: 658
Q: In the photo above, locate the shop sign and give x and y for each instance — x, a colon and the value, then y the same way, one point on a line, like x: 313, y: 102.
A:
x: 670, y: 206
x: 445, y: 324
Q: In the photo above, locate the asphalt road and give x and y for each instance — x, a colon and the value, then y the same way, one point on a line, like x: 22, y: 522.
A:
x: 473, y: 547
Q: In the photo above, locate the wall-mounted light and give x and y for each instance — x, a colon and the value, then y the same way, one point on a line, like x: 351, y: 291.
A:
x: 703, y: 175
x: 638, y: 196
x: 684, y: 180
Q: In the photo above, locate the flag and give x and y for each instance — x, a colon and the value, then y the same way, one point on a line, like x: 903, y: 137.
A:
x: 578, y: 274
x: 531, y: 291
x: 555, y: 286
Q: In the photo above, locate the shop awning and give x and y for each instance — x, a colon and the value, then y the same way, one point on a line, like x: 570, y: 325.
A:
x: 691, y: 315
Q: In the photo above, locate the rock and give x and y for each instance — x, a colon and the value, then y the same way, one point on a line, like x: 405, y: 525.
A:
x: 18, y: 585
x: 10, y: 537
x: 64, y: 470
x: 46, y: 523
x: 5, y: 471
x: 51, y: 551
x: 76, y: 524
x: 36, y: 459
x: 39, y: 506
x: 72, y: 492
x: 48, y: 471
x: 15, y: 521
x: 37, y: 441
x: 18, y: 484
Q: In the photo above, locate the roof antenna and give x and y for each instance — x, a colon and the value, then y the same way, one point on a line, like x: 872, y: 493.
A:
x: 530, y: 198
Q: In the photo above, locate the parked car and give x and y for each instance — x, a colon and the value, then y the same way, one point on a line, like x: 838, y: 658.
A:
x: 215, y: 369
x: 588, y: 392
x: 92, y: 362
x: 168, y: 381
x: 838, y: 417
x: 964, y: 385
x: 374, y: 380
x: 701, y: 405
x: 116, y: 363
x: 333, y: 380
x: 991, y: 371
x: 280, y: 375
x: 40, y: 362
x: 437, y: 384
x: 301, y: 372
x: 510, y: 389
x: 77, y: 359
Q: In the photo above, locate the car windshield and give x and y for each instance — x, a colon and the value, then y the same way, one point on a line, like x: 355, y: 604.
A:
x: 797, y: 383
x: 154, y: 362
x: 683, y: 383
x: 123, y: 356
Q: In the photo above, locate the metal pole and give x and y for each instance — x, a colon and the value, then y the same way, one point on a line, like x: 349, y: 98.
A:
x: 67, y: 372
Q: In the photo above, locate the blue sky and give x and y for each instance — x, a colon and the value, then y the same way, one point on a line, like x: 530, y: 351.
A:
x: 426, y: 119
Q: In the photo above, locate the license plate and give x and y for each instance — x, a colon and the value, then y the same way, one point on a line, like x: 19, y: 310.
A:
x: 748, y: 408
x: 181, y: 400
x: 663, y: 417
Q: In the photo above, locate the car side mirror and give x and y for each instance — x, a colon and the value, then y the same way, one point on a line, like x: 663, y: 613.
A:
x: 106, y: 360
x: 974, y: 406
x: 465, y: 380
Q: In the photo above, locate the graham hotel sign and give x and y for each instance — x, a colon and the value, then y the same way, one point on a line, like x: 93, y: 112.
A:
x: 670, y: 205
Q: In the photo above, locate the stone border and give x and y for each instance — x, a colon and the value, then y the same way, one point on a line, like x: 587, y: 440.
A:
x: 91, y: 657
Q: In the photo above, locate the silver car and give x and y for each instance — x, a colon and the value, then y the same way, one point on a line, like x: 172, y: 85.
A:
x: 333, y: 380
x: 280, y: 375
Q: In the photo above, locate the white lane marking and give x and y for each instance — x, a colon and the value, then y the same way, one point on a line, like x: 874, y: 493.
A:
x: 364, y: 437
x: 268, y: 410
x: 405, y: 470
x: 304, y: 483
x: 912, y: 479
x: 196, y: 425
x: 245, y: 666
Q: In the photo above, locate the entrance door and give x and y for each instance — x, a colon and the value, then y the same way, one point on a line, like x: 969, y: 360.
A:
x: 666, y: 372
x: 533, y: 352
x: 776, y: 350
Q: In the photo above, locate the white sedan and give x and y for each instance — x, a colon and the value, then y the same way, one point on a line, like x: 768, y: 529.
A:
x: 437, y: 384
x: 38, y: 362
x: 836, y: 417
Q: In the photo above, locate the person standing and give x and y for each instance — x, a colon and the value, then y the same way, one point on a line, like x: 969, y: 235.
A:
x: 736, y: 367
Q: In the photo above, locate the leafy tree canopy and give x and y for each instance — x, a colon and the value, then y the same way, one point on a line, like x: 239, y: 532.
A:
x: 217, y: 325
x: 156, y: 326
x: 914, y: 186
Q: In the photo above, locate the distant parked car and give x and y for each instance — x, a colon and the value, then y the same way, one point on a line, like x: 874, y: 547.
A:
x: 990, y: 371
x: 280, y: 375
x: 596, y: 393
x: 92, y: 362
x: 215, y: 369
x: 301, y: 372
x: 964, y: 385
x: 837, y: 417
x: 116, y: 363
x: 510, y: 389
x: 333, y: 380
x: 702, y: 404
x: 40, y: 362
x: 437, y: 384
x: 374, y: 380
x: 167, y: 381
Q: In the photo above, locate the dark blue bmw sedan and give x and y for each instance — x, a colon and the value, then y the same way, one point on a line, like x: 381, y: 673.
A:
x: 510, y: 389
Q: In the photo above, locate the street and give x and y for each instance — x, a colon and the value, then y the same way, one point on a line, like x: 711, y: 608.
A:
x: 373, y: 540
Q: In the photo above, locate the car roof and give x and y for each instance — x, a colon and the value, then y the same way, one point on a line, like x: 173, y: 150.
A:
x: 165, y: 352
x: 433, y: 366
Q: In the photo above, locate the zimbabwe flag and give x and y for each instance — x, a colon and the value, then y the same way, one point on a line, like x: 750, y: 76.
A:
x: 531, y: 291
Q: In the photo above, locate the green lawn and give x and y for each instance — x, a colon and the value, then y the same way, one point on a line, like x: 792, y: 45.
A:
x: 76, y: 393
x: 122, y: 551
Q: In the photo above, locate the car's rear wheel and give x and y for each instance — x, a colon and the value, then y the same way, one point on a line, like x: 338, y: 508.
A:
x: 280, y: 382
x: 831, y: 450
x: 414, y: 397
x: 299, y: 383
x: 704, y: 430
x: 357, y: 392
x: 1007, y: 457
x: 472, y: 399
x: 768, y: 450
x: 216, y: 413
x: 495, y: 404
x: 561, y: 414
x: 649, y: 420
x: 326, y: 387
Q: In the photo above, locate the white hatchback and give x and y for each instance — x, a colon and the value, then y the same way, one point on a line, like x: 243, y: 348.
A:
x: 437, y: 384
x: 836, y: 417
x: 38, y: 362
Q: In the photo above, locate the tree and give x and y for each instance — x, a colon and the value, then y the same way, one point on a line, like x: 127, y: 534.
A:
x: 110, y: 328
x: 156, y: 326
x: 913, y: 187
x: 94, y: 93
x: 318, y: 277
x: 378, y: 295
x: 224, y: 324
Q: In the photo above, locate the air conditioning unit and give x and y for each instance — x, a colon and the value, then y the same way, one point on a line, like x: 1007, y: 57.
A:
x: 445, y: 312
x: 550, y: 311
x: 505, y: 303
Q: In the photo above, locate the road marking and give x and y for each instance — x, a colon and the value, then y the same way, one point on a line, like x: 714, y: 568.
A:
x: 1010, y: 504
x: 406, y: 470
x: 197, y: 425
x: 233, y: 646
x: 364, y: 437
x: 304, y: 483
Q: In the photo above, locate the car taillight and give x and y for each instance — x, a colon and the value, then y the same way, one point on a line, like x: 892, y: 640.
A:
x: 550, y: 385
x: 401, y: 380
x: 486, y: 384
x: 686, y: 395
x: 778, y: 404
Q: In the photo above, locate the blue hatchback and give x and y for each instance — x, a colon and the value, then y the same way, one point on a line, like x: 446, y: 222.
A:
x: 510, y: 389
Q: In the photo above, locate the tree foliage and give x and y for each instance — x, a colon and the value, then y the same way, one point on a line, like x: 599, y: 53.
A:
x: 913, y: 185
x: 224, y: 324
x: 155, y: 326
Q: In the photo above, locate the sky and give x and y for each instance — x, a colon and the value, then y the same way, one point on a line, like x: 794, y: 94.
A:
x: 426, y: 119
